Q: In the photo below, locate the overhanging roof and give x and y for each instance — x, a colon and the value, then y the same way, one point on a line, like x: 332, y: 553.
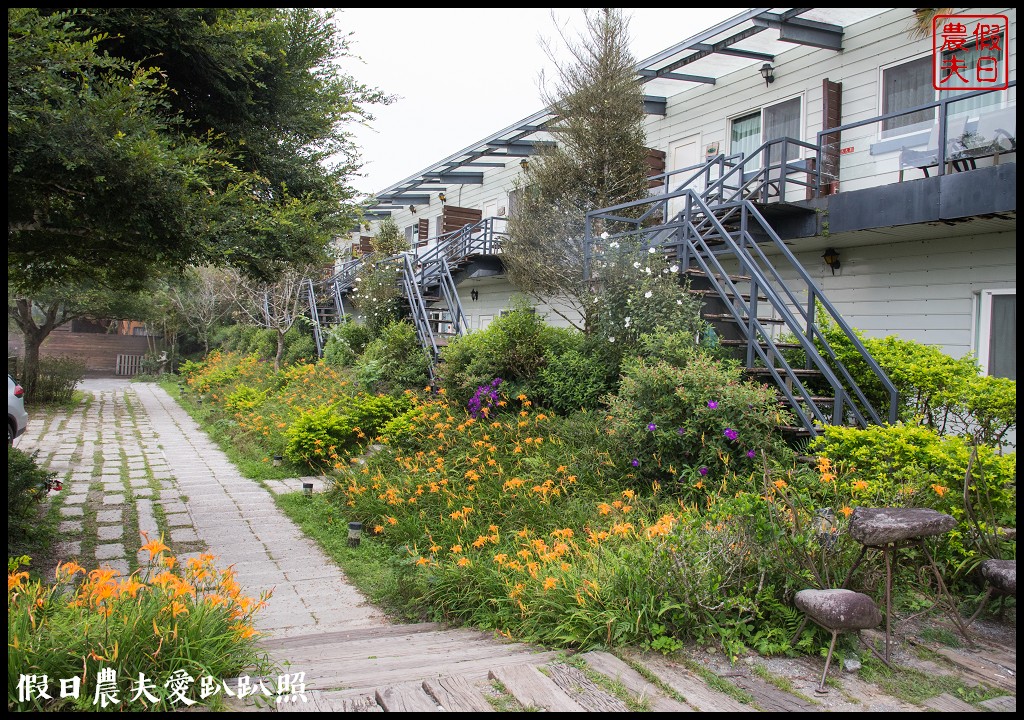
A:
x: 746, y: 40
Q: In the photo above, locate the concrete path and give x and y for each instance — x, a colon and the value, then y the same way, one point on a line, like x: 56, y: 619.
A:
x: 133, y: 461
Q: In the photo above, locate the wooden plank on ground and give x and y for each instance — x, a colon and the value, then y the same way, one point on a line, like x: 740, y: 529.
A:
x: 407, y: 697
x: 694, y: 690
x: 591, y: 696
x: 947, y: 703
x: 768, y: 697
x: 984, y: 671
x: 642, y: 689
x: 532, y: 688
x: 355, y: 635
x: 315, y: 701
x: 1004, y: 703
x: 359, y: 703
x: 457, y: 694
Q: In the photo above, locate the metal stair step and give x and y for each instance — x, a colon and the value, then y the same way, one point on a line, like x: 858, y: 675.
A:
x: 743, y: 343
x: 797, y: 372
x: 726, y: 317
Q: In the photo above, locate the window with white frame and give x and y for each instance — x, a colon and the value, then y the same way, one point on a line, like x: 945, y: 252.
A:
x: 912, y: 83
x: 771, y: 122
x: 905, y: 86
x: 995, y: 343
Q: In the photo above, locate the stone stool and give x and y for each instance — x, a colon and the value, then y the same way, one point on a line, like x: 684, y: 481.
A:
x: 837, y: 611
x: 1002, y: 580
x: 887, y: 530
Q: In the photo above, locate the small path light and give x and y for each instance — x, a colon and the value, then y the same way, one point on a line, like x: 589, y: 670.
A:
x: 355, y: 532
x: 307, y: 489
x: 278, y: 459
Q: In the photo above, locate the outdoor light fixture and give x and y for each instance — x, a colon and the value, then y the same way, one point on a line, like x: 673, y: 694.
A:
x: 474, y: 294
x: 307, y: 489
x: 442, y: 197
x: 831, y: 258
x: 412, y: 209
x: 524, y: 163
x: 355, y: 531
x: 278, y: 459
x: 768, y: 73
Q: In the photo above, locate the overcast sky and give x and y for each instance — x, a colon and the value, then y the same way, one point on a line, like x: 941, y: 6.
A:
x: 463, y: 74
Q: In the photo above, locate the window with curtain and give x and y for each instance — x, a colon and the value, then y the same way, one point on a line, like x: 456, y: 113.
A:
x: 970, y: 56
x: 996, y: 341
x: 903, y: 87
x: 771, y: 122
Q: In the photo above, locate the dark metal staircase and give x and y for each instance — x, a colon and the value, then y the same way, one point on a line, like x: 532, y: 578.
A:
x: 760, y: 299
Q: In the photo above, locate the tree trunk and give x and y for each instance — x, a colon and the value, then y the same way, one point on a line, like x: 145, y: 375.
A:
x: 280, y: 350
x: 34, y: 335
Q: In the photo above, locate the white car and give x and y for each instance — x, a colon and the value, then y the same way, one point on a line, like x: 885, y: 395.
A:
x: 17, y: 418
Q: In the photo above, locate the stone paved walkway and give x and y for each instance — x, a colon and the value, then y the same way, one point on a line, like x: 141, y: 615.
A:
x: 133, y: 461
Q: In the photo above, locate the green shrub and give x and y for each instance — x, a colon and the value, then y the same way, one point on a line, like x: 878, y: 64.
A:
x: 56, y: 380
x: 515, y: 348
x: 244, y: 399
x: 299, y: 344
x: 690, y: 424
x: 27, y: 486
x: 394, y: 361
x: 572, y: 380
x: 345, y: 342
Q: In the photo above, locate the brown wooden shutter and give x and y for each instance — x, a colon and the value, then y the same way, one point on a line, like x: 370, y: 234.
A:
x: 832, y: 116
x: 655, y: 166
x: 363, y: 247
x: 456, y: 218
x: 423, y: 229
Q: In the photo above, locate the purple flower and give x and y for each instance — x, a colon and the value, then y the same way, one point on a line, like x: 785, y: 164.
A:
x: 636, y: 462
x: 731, y: 434
x: 712, y: 404
x: 751, y: 454
x: 703, y: 471
x: 681, y: 431
x: 651, y: 427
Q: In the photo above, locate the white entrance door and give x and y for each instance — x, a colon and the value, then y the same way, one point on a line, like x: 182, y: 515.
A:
x: 685, y: 153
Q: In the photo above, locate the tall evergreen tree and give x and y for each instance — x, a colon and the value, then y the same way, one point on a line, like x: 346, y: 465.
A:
x: 598, y: 160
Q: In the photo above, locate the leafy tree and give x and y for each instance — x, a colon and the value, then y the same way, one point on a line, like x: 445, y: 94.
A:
x: 166, y: 137
x: 37, y: 316
x: 599, y: 160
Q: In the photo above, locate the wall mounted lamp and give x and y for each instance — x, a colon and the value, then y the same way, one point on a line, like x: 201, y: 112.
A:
x: 768, y: 73
x: 831, y: 258
x: 474, y: 294
x: 442, y: 197
x: 524, y: 163
x: 412, y: 209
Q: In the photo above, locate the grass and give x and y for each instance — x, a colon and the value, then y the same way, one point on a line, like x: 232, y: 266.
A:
x: 783, y: 684
x: 501, y: 700
x: 718, y: 683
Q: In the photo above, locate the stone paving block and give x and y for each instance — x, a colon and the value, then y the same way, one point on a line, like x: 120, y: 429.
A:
x: 184, y: 535
x: 178, y: 519
x: 119, y: 564
x: 109, y: 551
x: 109, y: 532
x: 109, y: 516
x: 75, y: 499
x: 70, y: 526
x: 74, y: 511
x: 68, y: 549
x: 113, y: 500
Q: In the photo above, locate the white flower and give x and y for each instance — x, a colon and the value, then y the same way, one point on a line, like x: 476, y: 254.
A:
x: 613, y: 245
x: 650, y: 250
x: 604, y: 235
x: 611, y: 339
x: 647, y: 270
x: 628, y: 318
x: 679, y: 302
x: 648, y: 294
x: 359, y: 279
x: 627, y: 322
x: 636, y: 265
x: 674, y: 268
x: 664, y: 271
